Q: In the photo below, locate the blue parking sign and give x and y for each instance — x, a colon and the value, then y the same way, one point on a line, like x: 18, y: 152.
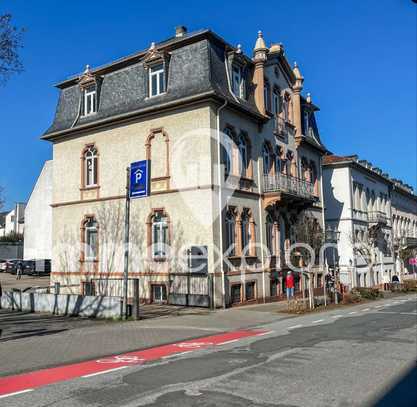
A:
x: 139, y: 179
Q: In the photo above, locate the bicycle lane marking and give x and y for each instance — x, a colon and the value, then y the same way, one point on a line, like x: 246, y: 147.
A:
x: 11, y: 385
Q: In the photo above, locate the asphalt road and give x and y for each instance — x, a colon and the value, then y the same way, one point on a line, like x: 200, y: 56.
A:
x: 358, y: 356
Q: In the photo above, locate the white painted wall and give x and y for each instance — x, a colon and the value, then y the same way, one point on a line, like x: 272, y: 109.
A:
x: 38, y: 217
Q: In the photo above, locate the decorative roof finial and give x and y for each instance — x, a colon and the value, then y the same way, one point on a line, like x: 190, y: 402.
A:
x: 87, y: 69
x: 239, y: 49
x: 260, y: 43
x: 153, y: 46
x: 309, y: 100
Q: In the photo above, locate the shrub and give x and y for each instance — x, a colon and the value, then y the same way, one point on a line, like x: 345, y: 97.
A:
x: 367, y: 293
x: 351, y: 298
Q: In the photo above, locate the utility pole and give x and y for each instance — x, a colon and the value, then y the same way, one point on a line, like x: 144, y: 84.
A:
x: 126, y: 244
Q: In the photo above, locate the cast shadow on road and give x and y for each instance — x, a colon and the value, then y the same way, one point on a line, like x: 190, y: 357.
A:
x: 403, y: 393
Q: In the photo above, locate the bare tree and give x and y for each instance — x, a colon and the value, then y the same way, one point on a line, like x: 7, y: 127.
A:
x: 366, y: 247
x: 307, y: 230
x: 1, y: 198
x: 403, y: 251
x: 10, y: 43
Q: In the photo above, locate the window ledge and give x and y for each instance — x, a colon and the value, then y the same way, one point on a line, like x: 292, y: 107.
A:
x: 90, y: 188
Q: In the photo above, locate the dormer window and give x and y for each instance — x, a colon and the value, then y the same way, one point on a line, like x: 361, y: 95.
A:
x: 90, y: 100
x: 156, y: 80
x: 237, y: 81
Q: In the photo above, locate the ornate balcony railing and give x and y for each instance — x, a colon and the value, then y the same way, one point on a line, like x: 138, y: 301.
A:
x: 377, y: 217
x: 288, y: 184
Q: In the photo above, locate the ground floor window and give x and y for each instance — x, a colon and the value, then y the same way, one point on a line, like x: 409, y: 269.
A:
x: 250, y: 291
x: 274, y: 288
x: 235, y: 293
x: 159, y: 292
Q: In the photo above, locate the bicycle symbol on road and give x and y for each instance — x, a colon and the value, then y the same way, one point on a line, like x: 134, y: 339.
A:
x: 122, y: 359
x: 193, y: 345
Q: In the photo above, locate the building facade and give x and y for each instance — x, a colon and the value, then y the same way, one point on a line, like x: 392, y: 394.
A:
x: 38, y: 217
x: 235, y: 159
x: 359, y: 206
x: 13, y: 222
x: 404, y: 227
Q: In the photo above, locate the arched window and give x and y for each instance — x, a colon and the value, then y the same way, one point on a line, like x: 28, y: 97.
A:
x: 230, y: 232
x: 90, y: 157
x: 160, y: 235
x: 245, y: 231
x: 90, y: 237
x: 243, y: 159
x: 270, y: 233
x: 227, y: 151
x: 266, y: 156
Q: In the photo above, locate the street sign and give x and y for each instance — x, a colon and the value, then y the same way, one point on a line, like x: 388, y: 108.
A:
x: 139, y: 179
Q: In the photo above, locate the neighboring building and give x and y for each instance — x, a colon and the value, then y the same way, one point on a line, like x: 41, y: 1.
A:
x: 404, y: 223
x: 3, y: 223
x: 13, y: 221
x: 357, y: 200
x: 265, y: 152
x: 38, y: 217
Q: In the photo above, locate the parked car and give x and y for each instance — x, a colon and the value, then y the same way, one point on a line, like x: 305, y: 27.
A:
x: 11, y: 266
x: 37, y: 267
x: 2, y: 265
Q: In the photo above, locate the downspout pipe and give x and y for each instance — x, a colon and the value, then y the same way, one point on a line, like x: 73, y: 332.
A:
x: 220, y: 202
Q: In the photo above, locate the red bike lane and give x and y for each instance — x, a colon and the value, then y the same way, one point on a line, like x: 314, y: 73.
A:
x: 26, y: 382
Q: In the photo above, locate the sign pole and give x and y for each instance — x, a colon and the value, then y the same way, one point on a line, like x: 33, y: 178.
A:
x: 126, y: 243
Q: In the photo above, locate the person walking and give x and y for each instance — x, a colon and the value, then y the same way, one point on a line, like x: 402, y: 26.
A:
x: 19, y: 270
x: 289, y: 285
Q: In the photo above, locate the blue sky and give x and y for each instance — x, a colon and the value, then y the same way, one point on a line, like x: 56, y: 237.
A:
x: 358, y: 59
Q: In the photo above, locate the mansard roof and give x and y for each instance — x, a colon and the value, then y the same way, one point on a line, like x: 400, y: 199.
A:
x: 196, y: 71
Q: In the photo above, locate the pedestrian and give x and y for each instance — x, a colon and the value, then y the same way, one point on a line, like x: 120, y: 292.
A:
x: 19, y: 270
x: 289, y: 285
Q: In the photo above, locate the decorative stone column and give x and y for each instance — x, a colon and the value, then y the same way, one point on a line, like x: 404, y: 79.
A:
x: 259, y: 58
x: 296, y: 101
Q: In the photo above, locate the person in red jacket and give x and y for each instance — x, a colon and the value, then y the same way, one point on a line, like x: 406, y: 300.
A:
x: 289, y: 285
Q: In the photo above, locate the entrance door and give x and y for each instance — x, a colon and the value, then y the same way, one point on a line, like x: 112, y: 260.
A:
x: 159, y: 293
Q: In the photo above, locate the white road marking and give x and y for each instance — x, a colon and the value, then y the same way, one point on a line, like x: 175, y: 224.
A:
x: 176, y: 354
x: 379, y: 306
x: 366, y: 309
x: 227, y: 342
x: 295, y: 327
x: 317, y: 321
x: 265, y: 333
x: 16, y: 393
x: 337, y: 316
x: 353, y: 312
x: 104, y: 372
x: 408, y: 313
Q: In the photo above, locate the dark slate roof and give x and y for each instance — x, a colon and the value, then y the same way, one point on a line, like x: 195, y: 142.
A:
x: 196, y: 69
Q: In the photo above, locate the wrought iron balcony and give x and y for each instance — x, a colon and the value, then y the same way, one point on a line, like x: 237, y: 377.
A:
x: 377, y: 217
x: 287, y: 184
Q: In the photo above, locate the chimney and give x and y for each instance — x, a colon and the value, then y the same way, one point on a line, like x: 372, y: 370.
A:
x: 180, y: 31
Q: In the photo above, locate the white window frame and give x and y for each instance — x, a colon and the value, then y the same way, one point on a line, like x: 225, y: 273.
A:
x: 237, y: 81
x: 228, y: 152
x: 91, y: 252
x: 90, y: 163
x: 160, y: 230
x: 243, y: 161
x: 159, y: 74
x: 90, y: 95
